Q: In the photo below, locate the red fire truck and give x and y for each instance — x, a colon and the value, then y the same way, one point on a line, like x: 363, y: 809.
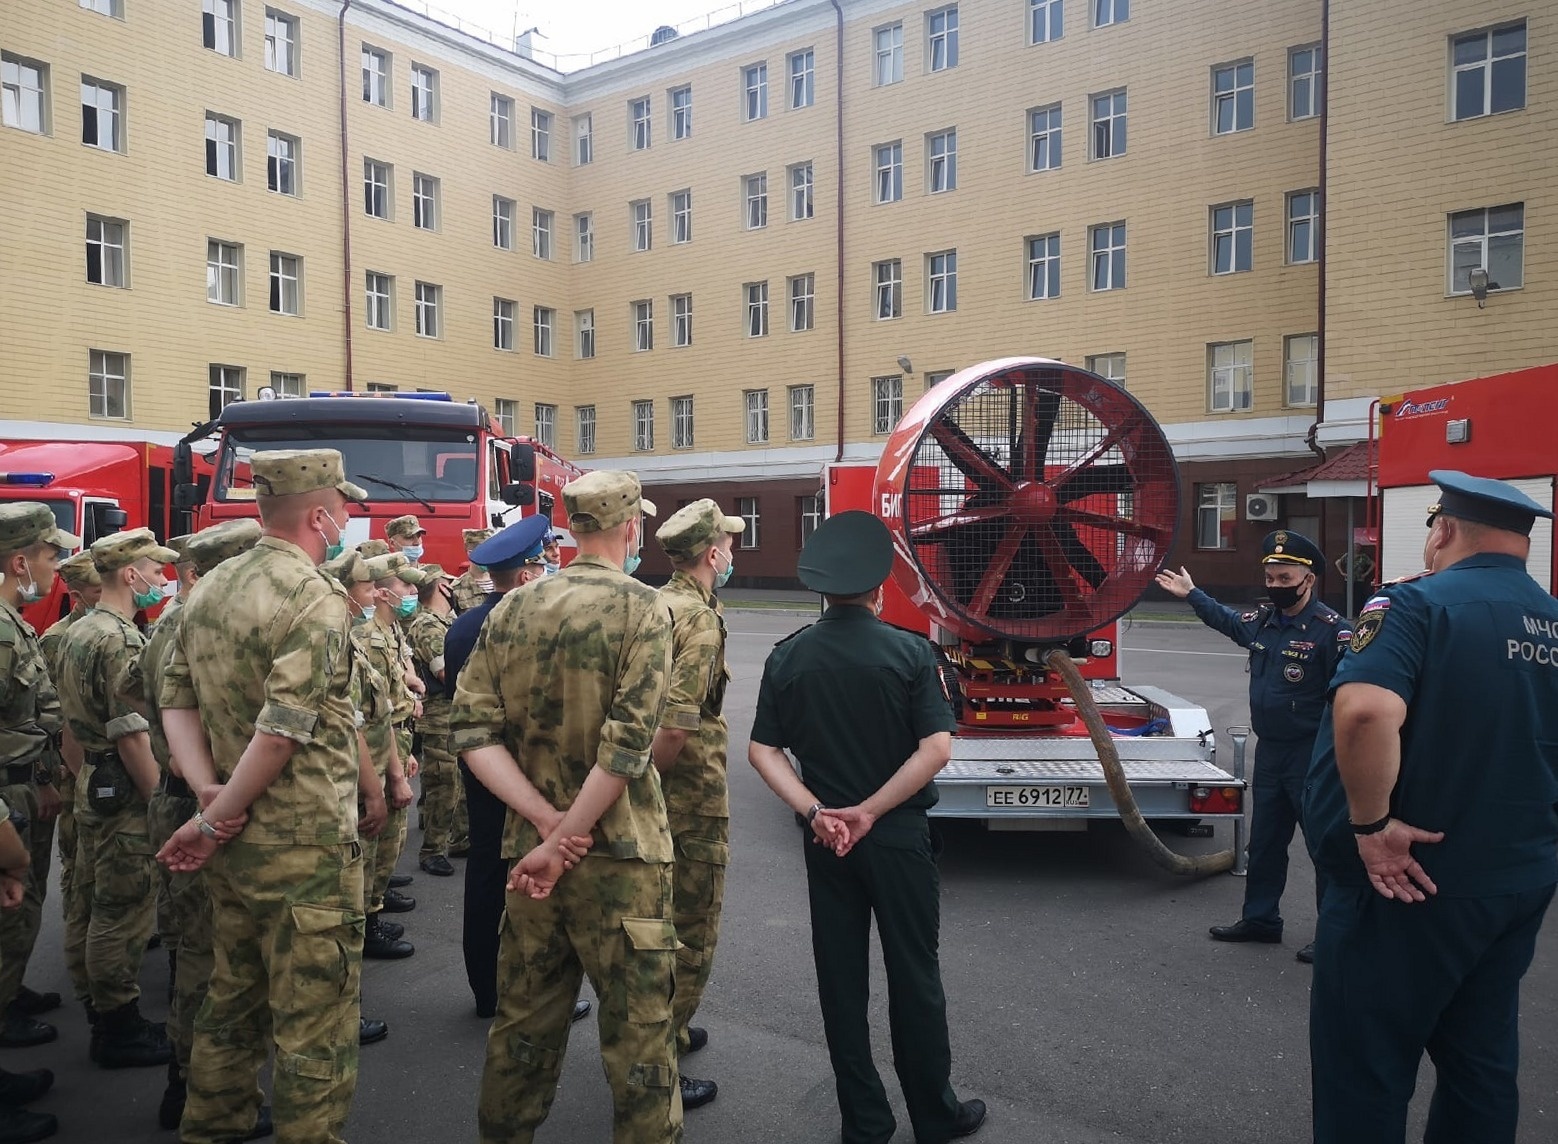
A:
x: 419, y: 453
x: 1499, y: 426
x: 1031, y: 503
x: 94, y: 488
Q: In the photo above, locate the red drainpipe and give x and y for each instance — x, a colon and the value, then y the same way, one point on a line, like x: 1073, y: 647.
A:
x: 346, y: 205
x: 838, y: 286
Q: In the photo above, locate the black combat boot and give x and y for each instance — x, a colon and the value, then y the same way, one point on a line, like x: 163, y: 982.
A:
x: 130, y: 1041
x: 22, y: 1125
x: 95, y: 1040
x: 171, y: 1110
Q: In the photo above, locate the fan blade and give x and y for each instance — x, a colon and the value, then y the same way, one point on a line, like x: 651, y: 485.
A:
x: 1151, y: 532
x: 975, y: 464
x: 1059, y: 566
x: 1000, y: 565
x: 1109, y: 441
x: 1078, y: 555
x: 934, y: 529
x: 1094, y: 480
x: 1043, y: 408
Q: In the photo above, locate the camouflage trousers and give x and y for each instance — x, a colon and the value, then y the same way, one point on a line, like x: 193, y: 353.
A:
x: 113, y: 906
x: 66, y: 828
x: 287, y: 928
x: 19, y: 927
x: 608, y: 918
x: 187, y: 929
x: 392, y: 839
x: 444, y: 826
x: 702, y: 853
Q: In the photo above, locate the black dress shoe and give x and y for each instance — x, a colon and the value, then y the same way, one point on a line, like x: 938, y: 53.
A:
x: 28, y: 1003
x: 459, y: 851
x: 971, y: 1114
x: 379, y: 946
x: 581, y: 1010
x: 697, y: 1037
x: 1307, y: 954
x: 23, y: 1088
x: 391, y: 929
x: 371, y: 1031
x: 1246, y: 930
x: 24, y: 1032
x: 437, y: 865
x: 154, y: 942
x: 396, y: 881
x: 697, y: 1093
x: 21, y: 1126
x: 397, y: 903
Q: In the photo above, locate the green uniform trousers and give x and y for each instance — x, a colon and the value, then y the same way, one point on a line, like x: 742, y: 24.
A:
x: 444, y: 825
x: 65, y: 826
x: 892, y: 874
x: 698, y: 894
x: 114, y: 907
x: 608, y: 918
x: 19, y: 927
x: 287, y: 926
x: 187, y: 930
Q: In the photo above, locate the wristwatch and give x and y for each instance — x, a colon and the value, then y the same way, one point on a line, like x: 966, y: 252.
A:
x: 812, y: 813
x: 1361, y: 829
x: 205, y: 827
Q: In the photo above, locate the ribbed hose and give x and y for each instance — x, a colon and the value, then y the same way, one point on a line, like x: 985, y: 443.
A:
x: 1136, y: 826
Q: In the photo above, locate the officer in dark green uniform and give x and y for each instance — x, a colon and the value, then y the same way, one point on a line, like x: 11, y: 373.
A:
x: 861, y: 706
x: 1432, y: 804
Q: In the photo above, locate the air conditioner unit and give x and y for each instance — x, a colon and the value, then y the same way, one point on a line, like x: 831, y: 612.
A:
x: 1260, y: 506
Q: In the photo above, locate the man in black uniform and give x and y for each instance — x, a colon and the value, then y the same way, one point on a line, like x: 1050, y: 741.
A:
x: 512, y: 558
x: 861, y: 705
x: 1442, y: 735
x: 1294, y: 643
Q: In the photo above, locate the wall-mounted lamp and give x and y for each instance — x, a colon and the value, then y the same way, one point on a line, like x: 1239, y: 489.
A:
x: 908, y: 366
x: 1478, y: 279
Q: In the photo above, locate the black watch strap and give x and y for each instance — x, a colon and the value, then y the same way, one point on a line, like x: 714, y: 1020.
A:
x: 812, y: 813
x: 1370, y: 827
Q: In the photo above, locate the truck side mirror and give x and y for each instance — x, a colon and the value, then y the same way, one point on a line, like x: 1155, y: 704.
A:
x: 546, y: 503
x: 186, y: 497
x: 522, y: 462
x: 107, y: 518
x: 518, y: 494
x: 183, y: 464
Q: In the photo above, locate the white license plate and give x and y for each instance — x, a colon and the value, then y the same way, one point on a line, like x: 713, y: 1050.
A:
x: 1038, y: 797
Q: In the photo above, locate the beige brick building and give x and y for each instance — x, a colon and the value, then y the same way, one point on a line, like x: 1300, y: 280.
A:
x: 728, y: 259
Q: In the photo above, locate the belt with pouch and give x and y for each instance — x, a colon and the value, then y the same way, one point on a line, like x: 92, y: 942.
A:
x: 175, y: 787
x: 18, y: 773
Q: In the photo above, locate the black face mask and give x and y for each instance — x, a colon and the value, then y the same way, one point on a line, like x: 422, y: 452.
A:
x: 1284, y: 596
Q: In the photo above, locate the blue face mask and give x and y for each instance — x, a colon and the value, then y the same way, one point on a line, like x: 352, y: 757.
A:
x: 361, y: 615
x: 630, y: 565
x: 723, y: 578
x: 333, y: 550
x: 406, y: 605
x: 31, y: 594
x: 149, y: 598
x: 412, y: 552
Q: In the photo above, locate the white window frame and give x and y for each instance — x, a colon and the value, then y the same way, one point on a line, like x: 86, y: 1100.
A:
x: 217, y: 147
x: 24, y: 93
x: 379, y: 290
x: 584, y: 334
x: 681, y: 217
x: 1045, y: 138
x: 1303, y: 226
x: 1046, y: 21
x: 540, y: 135
x: 754, y: 405
x: 375, y: 76
x: 941, y: 282
x: 802, y: 180
x: 888, y: 43
x: 546, y: 424
x: 886, y: 403
x: 108, y: 370
x: 429, y: 299
x: 583, y: 140
x: 754, y: 92
x: 1233, y: 92
x: 285, y: 384
x: 756, y: 294
x: 887, y: 282
x: 640, y: 123
x: 286, y: 284
x: 584, y: 429
x: 643, y: 218
x: 1102, y: 256
x: 1110, y: 365
x: 224, y: 386
x: 747, y: 508
x: 941, y: 161
x: 643, y: 426
x: 803, y: 412
x: 424, y: 93
x: 1230, y: 380
x: 378, y: 184
x: 542, y: 223
x: 505, y: 411
x: 503, y: 314
x: 1107, y: 13
x: 889, y: 171
x: 1481, y: 242
x: 643, y: 325
x: 584, y: 237
x: 102, y: 104
x: 424, y: 201
x: 680, y: 102
x: 941, y: 44
x: 109, y: 237
x: 114, y: 8
x: 283, y: 164
x: 1300, y: 370
x: 756, y: 188
x: 503, y: 222
x: 682, y: 426
x: 1044, y: 278
x: 681, y: 320
x: 543, y: 324
x: 224, y: 272
x: 1487, y: 63
x: 803, y: 81
x: 808, y: 515
x: 1232, y: 243
x: 1220, y: 499
x: 219, y: 29
x: 803, y: 302
x: 500, y: 121
x: 1110, y: 123
x: 1306, y: 81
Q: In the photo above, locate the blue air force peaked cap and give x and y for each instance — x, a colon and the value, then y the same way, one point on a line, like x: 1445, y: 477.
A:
x: 1284, y: 547
x: 849, y: 554
x: 1484, y: 500
x: 514, y: 545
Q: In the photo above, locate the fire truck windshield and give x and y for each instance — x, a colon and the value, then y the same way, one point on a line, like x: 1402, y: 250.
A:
x: 64, y: 514
x: 428, y: 464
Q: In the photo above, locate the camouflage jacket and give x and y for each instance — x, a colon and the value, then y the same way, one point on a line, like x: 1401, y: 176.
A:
x: 695, y: 783
x: 371, y: 699
x: 154, y: 659
x: 427, y: 633
x: 262, y: 646
x: 388, y: 654
x: 51, y: 640
x: 570, y: 674
x: 100, y: 679
x: 467, y: 593
x: 29, y: 707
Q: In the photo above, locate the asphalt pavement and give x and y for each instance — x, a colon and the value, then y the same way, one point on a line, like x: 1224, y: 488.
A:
x: 1086, y: 1002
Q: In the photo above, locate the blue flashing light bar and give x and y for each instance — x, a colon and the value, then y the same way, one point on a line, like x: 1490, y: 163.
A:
x: 37, y: 479
x: 376, y: 393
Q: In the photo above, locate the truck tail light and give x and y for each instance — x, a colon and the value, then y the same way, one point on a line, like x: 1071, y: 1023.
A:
x: 1098, y: 649
x: 1216, y: 800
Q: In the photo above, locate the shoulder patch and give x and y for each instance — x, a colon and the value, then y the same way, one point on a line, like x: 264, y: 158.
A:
x: 791, y: 636
x: 1246, y: 617
x: 1368, y: 627
x: 1375, y: 604
x: 1409, y: 578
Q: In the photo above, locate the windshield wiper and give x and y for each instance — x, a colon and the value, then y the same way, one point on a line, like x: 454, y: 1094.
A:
x: 392, y: 485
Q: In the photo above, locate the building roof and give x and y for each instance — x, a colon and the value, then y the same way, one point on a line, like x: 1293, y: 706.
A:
x: 1349, y: 467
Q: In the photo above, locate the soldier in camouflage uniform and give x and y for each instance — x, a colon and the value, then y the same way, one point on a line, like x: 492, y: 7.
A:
x: 568, y: 677
x: 30, y: 548
x: 104, y: 704
x: 444, y: 830
x: 18, y: 1124
x: 184, y: 903
x: 368, y: 549
x: 405, y: 534
x: 689, y: 753
x: 388, y: 653
x: 85, y: 587
x: 475, y: 582
x: 257, y: 708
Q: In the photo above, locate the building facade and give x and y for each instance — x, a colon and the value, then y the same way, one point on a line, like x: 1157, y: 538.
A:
x: 741, y: 254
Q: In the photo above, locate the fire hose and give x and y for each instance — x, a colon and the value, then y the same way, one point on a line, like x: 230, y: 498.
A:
x: 1136, y: 826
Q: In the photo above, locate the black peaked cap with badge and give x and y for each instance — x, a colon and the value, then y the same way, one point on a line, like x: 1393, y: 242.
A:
x: 849, y: 555
x: 1286, y: 547
x: 513, y: 546
x: 1483, y: 500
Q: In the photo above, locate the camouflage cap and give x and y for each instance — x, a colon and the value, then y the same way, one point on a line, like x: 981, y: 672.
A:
x: 348, y: 568
x: 210, y: 546
x: 79, y: 572
x: 692, y: 528
x: 405, y: 527
x: 180, y: 544
x: 390, y: 564
x: 603, y: 499
x: 287, y: 472
x: 25, y: 523
x: 122, y: 549
x: 474, y: 536
x: 371, y: 548
x: 421, y: 575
